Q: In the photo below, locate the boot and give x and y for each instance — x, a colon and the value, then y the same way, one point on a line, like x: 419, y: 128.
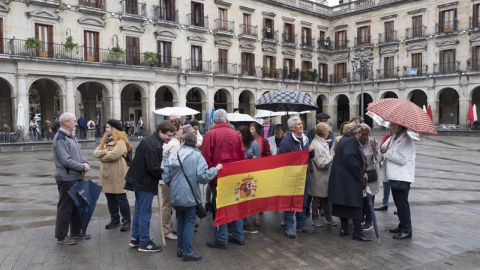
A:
x: 125, y: 226
x: 113, y: 223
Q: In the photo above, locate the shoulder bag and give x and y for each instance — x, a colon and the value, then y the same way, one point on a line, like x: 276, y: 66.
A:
x: 201, y: 212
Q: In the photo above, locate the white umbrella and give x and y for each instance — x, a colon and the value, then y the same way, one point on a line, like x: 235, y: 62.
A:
x: 240, y: 117
x: 181, y: 111
x: 475, y: 117
x: 266, y: 113
x: 21, y: 116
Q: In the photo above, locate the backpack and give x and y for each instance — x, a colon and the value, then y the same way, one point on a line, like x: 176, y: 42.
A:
x: 128, y: 158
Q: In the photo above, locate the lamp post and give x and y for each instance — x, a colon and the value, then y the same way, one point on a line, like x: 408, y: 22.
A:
x: 362, y: 65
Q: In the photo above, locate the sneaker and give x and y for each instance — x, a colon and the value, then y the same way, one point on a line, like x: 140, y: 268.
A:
x: 331, y: 222
x: 125, y: 226
x: 248, y: 229
x: 306, y: 229
x: 67, y: 241
x: 134, y: 243
x: 235, y: 241
x: 317, y: 223
x: 367, y: 226
x: 290, y: 233
x: 114, y: 223
x: 179, y: 252
x: 214, y: 244
x: 79, y: 236
x: 193, y: 257
x: 150, y: 247
x: 171, y: 236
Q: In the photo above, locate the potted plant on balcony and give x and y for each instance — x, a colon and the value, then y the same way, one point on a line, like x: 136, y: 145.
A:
x: 266, y: 71
x: 285, y: 72
x: 116, y: 54
x: 275, y: 72
x: 32, y: 45
x: 150, y: 58
x: 69, y: 45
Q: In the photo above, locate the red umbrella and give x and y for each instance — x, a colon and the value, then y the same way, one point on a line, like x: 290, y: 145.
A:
x: 404, y: 113
x: 429, y: 112
x: 470, y: 114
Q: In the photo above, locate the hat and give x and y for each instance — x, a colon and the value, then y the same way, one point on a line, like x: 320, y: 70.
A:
x: 322, y: 115
x: 194, y: 122
x: 115, y: 124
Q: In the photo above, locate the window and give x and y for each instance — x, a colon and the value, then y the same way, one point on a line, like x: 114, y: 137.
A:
x: 475, y: 58
x: 197, y: 17
x: 1, y: 35
x: 196, y: 58
x: 306, y: 65
x: 91, y: 51
x: 164, y: 53
x: 248, y: 64
x: 269, y: 29
x: 340, y: 40
x: 222, y: 61
x: 476, y: 16
x: 417, y: 26
x: 340, y: 73
x: 447, y: 61
x: 416, y: 64
x: 388, y: 67
x: 389, y: 31
x: 133, y: 50
x: 289, y: 64
x: 363, y: 35
x: 93, y: 3
x: 247, y: 28
x: 131, y: 6
x: 167, y: 10
x: 322, y: 35
x: 45, y: 34
x: 447, y: 21
x: 322, y: 72
x: 306, y: 36
x: 222, y: 19
x: 288, y: 35
x: 269, y: 61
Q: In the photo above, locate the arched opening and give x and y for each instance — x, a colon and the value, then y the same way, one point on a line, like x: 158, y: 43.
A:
x: 133, y: 105
x: 367, y: 99
x: 163, y: 97
x: 448, y: 107
x: 390, y: 94
x: 343, y: 110
x: 6, y: 109
x: 418, y: 97
x: 195, y: 101
x: 45, y: 103
x: 321, y: 101
x: 93, y: 101
x: 221, y: 100
x: 246, y: 102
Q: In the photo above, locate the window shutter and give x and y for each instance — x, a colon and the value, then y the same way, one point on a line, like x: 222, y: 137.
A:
x: 441, y: 59
x: 202, y: 19
x: 274, y: 62
x: 440, y: 21
x: 475, y: 16
x: 455, y: 26
x: 172, y: 9
x: 337, y: 34
x: 293, y: 64
x: 36, y: 31
x: 474, y: 58
x: 1, y: 35
x: 303, y: 35
x: 192, y: 14
x: 359, y: 34
x: 272, y: 22
x: 97, y: 46
x: 284, y: 62
x: 264, y: 60
x: 50, y: 41
x: 325, y: 72
x: 368, y: 34
x: 201, y: 57
x: 100, y: 4
x: 453, y: 57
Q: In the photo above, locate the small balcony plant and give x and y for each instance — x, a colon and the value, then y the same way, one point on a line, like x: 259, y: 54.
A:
x: 150, y: 58
x: 32, y: 45
x: 117, y: 54
x: 69, y: 45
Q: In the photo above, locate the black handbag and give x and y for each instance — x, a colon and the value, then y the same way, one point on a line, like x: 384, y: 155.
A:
x: 398, y: 185
x: 372, y: 175
x: 201, y: 212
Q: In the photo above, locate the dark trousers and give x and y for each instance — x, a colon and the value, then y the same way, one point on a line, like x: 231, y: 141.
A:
x: 324, y: 203
x: 357, y: 225
x: 83, y: 134
x: 116, y: 201
x: 367, y: 214
x: 309, y: 203
x: 400, y: 197
x: 67, y: 215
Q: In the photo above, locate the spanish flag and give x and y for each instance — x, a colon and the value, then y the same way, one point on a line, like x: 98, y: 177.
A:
x: 275, y: 183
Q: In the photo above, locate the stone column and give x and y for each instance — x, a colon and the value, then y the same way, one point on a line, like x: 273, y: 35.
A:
x: 116, y: 103
x: 23, y: 105
x: 70, y: 95
x: 150, y: 121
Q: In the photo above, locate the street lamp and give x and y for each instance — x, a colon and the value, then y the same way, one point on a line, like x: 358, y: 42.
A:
x: 362, y: 65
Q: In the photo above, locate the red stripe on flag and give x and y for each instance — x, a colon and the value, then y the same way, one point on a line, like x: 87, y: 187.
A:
x: 244, y: 209
x: 265, y: 163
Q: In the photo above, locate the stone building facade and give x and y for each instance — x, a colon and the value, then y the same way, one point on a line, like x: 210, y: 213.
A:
x: 124, y: 59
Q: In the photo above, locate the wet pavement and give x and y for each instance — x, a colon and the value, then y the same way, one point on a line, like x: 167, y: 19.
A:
x: 445, y: 214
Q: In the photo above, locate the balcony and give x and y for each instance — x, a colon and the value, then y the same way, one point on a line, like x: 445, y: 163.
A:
x: 308, y: 43
x: 92, y: 7
x: 309, y: 75
x: 168, y: 62
x: 248, y: 31
x: 388, y: 37
x: 166, y: 17
x: 224, y: 27
x: 325, y: 44
x: 363, y: 41
x: 446, y: 27
x: 198, y: 66
x: 134, y: 11
x: 270, y: 35
x: 248, y: 70
x: 474, y: 23
x: 290, y: 74
x: 415, y: 71
x: 416, y: 32
x: 340, y: 78
x: 323, y: 78
x: 46, y: 3
x: 446, y: 68
x: 198, y: 23
x: 273, y: 73
x: 289, y: 39
x: 356, y: 77
x: 389, y: 73
x: 220, y: 68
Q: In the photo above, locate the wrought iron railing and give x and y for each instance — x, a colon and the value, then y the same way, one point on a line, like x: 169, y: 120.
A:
x: 223, y: 25
x: 387, y: 73
x: 308, y: 42
x: 94, y: 4
x: 415, y: 71
x: 248, y: 70
x: 446, y: 27
x: 363, y: 40
x: 474, y: 23
x: 198, y: 65
x: 416, y: 32
x: 164, y: 14
x: 289, y: 38
x: 269, y: 34
x: 340, y: 78
x: 198, y: 20
x: 386, y: 37
x: 249, y: 30
x: 225, y: 68
x: 134, y: 7
x: 446, y: 68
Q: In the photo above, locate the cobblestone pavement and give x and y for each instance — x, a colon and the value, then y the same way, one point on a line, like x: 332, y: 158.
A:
x: 445, y: 212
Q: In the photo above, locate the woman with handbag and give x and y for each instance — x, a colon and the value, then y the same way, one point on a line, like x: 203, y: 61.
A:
x: 400, y: 171
x: 183, y: 172
x: 372, y: 154
x: 111, y: 152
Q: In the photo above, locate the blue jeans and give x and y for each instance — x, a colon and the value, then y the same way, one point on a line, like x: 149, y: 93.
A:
x: 140, y: 131
x: 141, y: 216
x: 116, y: 201
x: 301, y: 217
x: 386, y: 192
x: 221, y: 233
x: 185, y: 229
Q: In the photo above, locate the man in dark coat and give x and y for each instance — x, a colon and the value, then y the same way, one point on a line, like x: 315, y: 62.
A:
x: 296, y: 141
x: 82, y: 124
x: 222, y: 145
x: 142, y: 177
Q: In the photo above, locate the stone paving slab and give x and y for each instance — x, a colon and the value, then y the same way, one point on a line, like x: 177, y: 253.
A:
x: 445, y: 216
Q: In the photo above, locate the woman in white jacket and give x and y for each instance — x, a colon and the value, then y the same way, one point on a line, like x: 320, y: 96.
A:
x: 400, y: 171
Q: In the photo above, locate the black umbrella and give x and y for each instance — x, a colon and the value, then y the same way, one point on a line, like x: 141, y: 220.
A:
x: 85, y: 195
x: 372, y: 213
x: 286, y: 100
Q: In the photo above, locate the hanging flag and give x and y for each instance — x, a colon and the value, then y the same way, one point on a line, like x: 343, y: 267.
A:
x: 275, y: 183
x: 470, y: 115
x: 429, y: 112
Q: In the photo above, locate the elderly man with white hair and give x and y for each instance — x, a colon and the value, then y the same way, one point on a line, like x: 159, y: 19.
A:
x: 222, y: 145
x: 296, y: 141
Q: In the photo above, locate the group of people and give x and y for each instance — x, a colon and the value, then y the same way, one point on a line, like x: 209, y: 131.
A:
x: 179, y: 158
x: 45, y: 130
